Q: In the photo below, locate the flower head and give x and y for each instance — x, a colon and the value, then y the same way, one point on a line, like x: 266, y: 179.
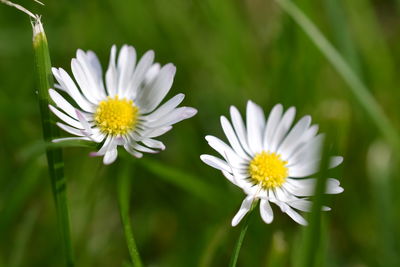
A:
x: 270, y: 160
x: 122, y: 111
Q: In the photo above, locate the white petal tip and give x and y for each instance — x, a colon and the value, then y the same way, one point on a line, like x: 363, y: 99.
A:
x: 234, y: 223
x: 189, y: 112
x: 171, y: 67
x: 338, y: 190
x: 223, y: 119
x: 203, y: 158
x: 108, y: 162
x: 207, y: 137
x: 325, y: 208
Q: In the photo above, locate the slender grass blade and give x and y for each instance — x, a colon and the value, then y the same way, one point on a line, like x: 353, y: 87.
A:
x: 54, y: 155
x: 357, y: 87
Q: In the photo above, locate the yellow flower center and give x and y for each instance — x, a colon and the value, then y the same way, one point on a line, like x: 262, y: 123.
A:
x: 268, y: 170
x: 116, y: 116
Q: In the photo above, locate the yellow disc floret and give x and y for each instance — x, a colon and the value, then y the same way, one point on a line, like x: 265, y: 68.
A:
x: 268, y: 170
x: 116, y: 116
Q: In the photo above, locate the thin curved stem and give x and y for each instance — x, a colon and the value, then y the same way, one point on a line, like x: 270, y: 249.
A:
x: 243, y: 231
x: 123, y: 188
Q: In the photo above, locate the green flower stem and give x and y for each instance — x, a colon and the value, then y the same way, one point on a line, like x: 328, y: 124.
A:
x: 123, y: 188
x: 360, y: 91
x: 243, y: 231
x: 54, y: 155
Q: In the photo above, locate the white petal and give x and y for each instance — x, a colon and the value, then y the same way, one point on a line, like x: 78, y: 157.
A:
x: 173, y: 117
x: 69, y: 86
x: 60, y: 140
x: 152, y: 94
x: 310, y: 151
x: 229, y: 176
x: 96, y: 135
x: 84, y: 84
x: 110, y: 156
x: 310, y: 133
x: 292, y: 213
x: 266, y: 211
x: 112, y: 74
x: 86, y: 125
x: 62, y: 103
x: 335, y: 161
x: 296, y: 216
x: 255, y: 126
x: 240, y: 180
x: 70, y: 129
x: 133, y: 152
x: 307, y: 137
x: 306, y: 187
x: 304, y: 170
x: 155, y: 132
x: 308, y: 168
x: 304, y: 205
x: 166, y: 108
x: 108, y: 144
x: 232, y: 138
x: 273, y: 120
x: 153, y: 143
x: 294, y: 137
x: 66, y: 118
x: 244, y: 208
x: 240, y: 130
x: 152, y: 73
x: 282, y: 128
x: 138, y: 76
x: 86, y: 72
x: 300, y: 204
x: 282, y: 195
x: 225, y: 151
x: 126, y: 66
x: 93, y: 60
x: 216, y: 163
x: 141, y: 148
x: 333, y: 186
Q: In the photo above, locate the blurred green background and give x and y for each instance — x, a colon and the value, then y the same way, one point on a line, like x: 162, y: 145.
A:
x: 226, y: 52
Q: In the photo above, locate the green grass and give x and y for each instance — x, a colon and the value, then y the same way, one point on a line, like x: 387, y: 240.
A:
x: 226, y: 52
x: 55, y: 161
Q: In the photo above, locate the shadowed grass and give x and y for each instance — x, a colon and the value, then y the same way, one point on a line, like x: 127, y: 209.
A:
x: 379, y: 169
x: 28, y: 181
x: 124, y: 189
x: 360, y: 91
x: 311, y: 243
x: 184, y: 180
x: 22, y: 239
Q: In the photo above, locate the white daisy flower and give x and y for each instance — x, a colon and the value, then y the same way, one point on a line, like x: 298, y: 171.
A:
x: 269, y: 160
x: 123, y: 110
